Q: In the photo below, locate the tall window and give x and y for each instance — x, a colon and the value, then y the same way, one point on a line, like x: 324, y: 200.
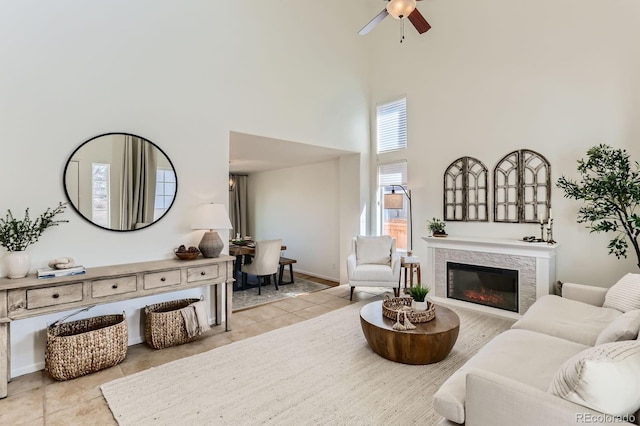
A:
x: 394, y: 211
x: 165, y: 191
x: 100, y: 192
x: 391, y: 120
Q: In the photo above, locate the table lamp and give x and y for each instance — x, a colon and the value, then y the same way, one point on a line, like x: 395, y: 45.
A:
x: 211, y: 216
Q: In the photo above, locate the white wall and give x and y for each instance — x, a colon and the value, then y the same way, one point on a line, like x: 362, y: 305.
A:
x: 181, y: 74
x: 301, y: 205
x: 493, y: 76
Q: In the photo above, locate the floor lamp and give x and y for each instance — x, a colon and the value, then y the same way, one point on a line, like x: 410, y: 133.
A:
x: 396, y: 201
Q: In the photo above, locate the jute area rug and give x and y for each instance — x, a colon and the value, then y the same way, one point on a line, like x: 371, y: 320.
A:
x: 249, y: 298
x: 317, y: 372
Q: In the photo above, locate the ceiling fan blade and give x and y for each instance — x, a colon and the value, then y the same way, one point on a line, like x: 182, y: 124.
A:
x: 418, y: 21
x: 375, y: 21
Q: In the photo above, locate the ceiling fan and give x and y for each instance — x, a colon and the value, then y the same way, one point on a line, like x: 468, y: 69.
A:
x: 400, y: 9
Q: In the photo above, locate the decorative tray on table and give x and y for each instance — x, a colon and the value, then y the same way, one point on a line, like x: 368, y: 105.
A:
x: 397, y: 308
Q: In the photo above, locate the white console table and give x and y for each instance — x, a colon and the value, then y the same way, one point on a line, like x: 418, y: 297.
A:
x: 30, y: 296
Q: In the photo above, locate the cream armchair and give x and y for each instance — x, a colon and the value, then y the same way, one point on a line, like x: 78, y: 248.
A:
x: 374, y: 262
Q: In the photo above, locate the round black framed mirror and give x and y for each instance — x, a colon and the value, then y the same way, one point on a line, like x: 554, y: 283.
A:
x: 120, y: 181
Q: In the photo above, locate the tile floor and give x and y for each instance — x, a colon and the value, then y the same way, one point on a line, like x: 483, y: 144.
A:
x: 36, y: 399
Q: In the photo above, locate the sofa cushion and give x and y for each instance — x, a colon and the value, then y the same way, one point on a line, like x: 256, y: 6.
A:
x: 568, y: 319
x: 525, y: 356
x: 373, y: 250
x: 625, y: 327
x: 625, y: 294
x: 605, y: 378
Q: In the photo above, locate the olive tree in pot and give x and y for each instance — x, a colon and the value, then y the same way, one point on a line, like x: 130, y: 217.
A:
x: 610, y: 188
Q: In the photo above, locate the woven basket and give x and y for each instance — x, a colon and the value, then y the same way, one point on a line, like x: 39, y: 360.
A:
x: 164, y: 324
x: 85, y: 346
x: 391, y: 306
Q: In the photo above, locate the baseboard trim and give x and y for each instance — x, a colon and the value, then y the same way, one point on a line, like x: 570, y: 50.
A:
x: 313, y: 274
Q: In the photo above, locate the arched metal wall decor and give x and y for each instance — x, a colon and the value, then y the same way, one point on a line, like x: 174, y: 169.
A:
x: 522, y: 188
x: 466, y: 191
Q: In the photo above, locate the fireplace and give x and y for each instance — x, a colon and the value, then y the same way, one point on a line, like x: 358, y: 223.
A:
x: 494, y: 287
x: 535, y: 263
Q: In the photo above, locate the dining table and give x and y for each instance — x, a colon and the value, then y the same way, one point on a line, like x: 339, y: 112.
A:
x: 242, y: 249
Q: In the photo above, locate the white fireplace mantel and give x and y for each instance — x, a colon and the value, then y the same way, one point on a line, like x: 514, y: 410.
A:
x: 535, y: 263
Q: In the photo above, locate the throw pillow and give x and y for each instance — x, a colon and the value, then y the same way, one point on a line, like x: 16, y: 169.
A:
x: 625, y: 327
x: 376, y: 250
x: 625, y: 294
x: 605, y: 378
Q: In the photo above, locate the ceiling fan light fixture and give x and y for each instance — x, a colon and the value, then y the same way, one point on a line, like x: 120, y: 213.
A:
x: 401, y: 8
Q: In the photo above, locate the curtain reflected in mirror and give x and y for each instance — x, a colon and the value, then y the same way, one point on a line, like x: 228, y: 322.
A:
x: 120, y: 181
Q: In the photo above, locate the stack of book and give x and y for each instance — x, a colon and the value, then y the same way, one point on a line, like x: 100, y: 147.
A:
x: 52, y: 272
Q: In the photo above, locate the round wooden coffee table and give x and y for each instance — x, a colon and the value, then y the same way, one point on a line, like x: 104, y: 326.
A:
x: 430, y: 341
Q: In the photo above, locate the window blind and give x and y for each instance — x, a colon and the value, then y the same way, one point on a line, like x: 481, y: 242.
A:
x: 392, y: 174
x: 392, y: 125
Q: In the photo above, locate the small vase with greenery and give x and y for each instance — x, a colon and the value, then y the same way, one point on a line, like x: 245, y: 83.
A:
x: 419, y: 295
x: 18, y: 234
x: 436, y: 226
x: 610, y: 188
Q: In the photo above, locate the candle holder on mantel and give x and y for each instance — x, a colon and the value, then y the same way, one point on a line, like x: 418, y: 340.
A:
x: 550, y: 232
x: 541, y: 232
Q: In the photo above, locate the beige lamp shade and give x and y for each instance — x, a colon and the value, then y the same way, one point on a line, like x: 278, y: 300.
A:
x: 211, y: 216
x: 393, y: 201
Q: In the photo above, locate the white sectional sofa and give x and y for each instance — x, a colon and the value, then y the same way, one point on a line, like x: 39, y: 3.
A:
x: 521, y: 376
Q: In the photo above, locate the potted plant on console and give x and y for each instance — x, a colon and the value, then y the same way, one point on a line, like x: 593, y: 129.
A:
x: 16, y: 235
x: 436, y: 226
x: 419, y: 295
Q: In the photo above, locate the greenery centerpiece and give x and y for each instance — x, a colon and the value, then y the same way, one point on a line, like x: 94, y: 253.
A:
x: 18, y: 234
x: 436, y: 226
x: 610, y: 188
x: 419, y: 295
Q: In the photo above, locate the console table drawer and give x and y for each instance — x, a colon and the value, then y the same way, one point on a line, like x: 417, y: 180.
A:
x: 52, y: 296
x: 162, y: 279
x: 111, y: 286
x: 203, y: 273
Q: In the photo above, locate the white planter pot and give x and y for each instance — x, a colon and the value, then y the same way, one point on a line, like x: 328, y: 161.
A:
x: 17, y: 264
x: 419, y: 306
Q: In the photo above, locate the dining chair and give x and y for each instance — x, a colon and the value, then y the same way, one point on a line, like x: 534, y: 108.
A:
x: 265, y: 263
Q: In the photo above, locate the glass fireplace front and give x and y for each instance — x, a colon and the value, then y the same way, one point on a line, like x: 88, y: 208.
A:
x: 483, y: 285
